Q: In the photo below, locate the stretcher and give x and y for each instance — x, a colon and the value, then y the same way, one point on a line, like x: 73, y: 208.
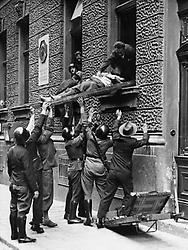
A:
x: 144, y: 207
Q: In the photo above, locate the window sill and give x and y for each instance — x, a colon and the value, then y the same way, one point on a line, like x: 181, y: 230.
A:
x: 110, y: 97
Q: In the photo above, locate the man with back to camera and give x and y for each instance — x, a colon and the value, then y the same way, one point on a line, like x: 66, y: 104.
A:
x: 23, y: 186
x: 120, y: 173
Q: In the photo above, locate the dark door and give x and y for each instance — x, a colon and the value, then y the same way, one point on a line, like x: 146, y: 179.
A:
x: 182, y: 158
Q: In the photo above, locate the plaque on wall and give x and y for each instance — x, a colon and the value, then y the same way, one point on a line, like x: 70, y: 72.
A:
x: 43, y: 60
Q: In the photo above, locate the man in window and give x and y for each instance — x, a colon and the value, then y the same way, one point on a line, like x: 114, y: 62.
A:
x: 121, y: 61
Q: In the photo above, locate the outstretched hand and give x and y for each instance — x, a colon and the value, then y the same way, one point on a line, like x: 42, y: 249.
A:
x: 145, y: 128
x: 45, y: 108
x: 118, y: 114
x: 32, y: 110
x: 80, y: 101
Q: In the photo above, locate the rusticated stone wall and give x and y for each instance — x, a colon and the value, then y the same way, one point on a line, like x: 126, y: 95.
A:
x: 46, y: 17
x: 149, y: 61
x: 149, y: 40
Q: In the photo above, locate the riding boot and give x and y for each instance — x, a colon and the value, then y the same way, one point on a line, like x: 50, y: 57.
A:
x: 13, y: 225
x: 89, y: 219
x: 90, y: 206
x: 22, y: 237
x: 72, y: 216
x: 100, y: 223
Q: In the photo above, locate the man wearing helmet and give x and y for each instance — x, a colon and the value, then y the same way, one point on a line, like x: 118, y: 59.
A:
x: 120, y: 173
x: 23, y: 185
x: 94, y: 169
x: 22, y: 169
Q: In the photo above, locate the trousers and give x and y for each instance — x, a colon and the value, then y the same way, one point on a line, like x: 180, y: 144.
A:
x: 114, y: 180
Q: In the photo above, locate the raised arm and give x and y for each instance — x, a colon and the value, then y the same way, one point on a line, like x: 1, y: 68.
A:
x: 145, y: 138
x: 115, y: 129
x: 36, y: 132
x: 48, y: 128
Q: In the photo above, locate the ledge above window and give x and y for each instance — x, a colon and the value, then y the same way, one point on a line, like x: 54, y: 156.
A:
x: 21, y: 112
x: 3, y: 114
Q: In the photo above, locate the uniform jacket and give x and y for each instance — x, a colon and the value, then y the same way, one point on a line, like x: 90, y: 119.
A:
x: 123, y: 147
x: 123, y: 67
x: 31, y: 143
x: 20, y: 167
x: 46, y: 146
x: 104, y: 145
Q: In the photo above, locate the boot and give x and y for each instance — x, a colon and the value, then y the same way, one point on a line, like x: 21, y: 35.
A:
x: 37, y: 228
x: 46, y: 221
x: 13, y: 225
x: 89, y: 219
x: 66, y: 216
x: 90, y: 206
x: 22, y: 237
x: 72, y: 216
x: 100, y: 223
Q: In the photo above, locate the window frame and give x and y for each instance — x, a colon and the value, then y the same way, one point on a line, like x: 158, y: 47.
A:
x: 23, y: 60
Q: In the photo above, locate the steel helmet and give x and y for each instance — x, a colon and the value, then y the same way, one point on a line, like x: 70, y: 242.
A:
x: 66, y: 134
x: 102, y: 131
x: 21, y: 135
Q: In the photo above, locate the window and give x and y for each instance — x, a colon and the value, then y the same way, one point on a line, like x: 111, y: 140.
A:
x: 72, y: 32
x: 126, y: 13
x: 23, y: 60
x: 3, y: 64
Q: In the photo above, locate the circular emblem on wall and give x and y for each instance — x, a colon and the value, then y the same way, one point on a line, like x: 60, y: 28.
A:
x: 43, y: 51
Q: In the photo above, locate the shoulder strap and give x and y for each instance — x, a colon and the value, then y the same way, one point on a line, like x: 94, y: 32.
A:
x: 98, y: 150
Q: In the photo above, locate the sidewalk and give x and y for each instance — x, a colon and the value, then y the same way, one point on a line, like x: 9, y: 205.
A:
x: 69, y: 237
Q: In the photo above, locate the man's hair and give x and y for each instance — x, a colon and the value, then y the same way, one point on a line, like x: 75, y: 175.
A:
x: 119, y: 45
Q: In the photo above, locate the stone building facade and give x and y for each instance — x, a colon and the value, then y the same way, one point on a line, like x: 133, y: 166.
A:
x: 154, y: 28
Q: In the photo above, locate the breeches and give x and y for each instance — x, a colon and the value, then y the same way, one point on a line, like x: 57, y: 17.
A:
x: 114, y: 180
x: 21, y: 199
x: 74, y: 177
x: 47, y: 180
x: 37, y: 203
x: 88, y: 179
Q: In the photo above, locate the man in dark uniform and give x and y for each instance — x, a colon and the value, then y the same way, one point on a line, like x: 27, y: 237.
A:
x: 74, y: 145
x: 47, y: 151
x: 120, y: 173
x: 23, y: 186
x: 121, y: 61
x: 31, y: 146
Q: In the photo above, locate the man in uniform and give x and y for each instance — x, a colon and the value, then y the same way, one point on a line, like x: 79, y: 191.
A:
x: 23, y: 186
x: 120, y: 173
x: 47, y: 151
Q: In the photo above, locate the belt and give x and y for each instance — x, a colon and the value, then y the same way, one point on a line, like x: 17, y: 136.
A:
x: 92, y: 156
x: 78, y: 159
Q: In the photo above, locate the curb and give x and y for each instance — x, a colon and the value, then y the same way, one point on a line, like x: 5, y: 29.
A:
x: 7, y: 243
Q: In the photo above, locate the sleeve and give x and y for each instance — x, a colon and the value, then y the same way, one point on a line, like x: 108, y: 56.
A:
x: 35, y: 134
x: 105, y: 64
x: 47, y: 131
x: 78, y: 140
x: 115, y: 130
x: 29, y: 171
x: 142, y: 142
x: 8, y: 163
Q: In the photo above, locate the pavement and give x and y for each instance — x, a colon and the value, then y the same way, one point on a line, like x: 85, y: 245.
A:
x: 79, y: 237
